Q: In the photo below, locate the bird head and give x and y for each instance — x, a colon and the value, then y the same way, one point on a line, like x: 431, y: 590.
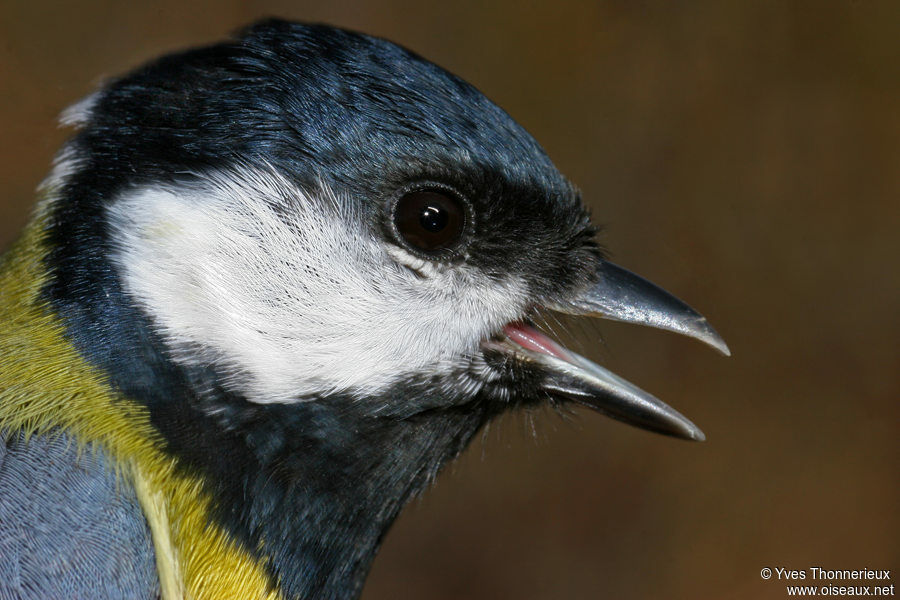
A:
x: 316, y: 259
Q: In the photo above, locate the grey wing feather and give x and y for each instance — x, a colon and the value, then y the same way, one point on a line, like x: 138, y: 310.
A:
x: 68, y: 528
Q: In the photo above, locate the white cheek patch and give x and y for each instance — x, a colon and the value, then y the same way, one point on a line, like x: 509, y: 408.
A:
x: 294, y: 292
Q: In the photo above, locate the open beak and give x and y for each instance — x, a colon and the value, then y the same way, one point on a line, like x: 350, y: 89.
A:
x: 621, y: 296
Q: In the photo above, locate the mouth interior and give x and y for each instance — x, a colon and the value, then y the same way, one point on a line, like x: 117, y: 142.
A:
x: 529, y: 338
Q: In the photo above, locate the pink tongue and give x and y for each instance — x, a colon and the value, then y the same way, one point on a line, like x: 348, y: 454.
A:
x: 532, y: 339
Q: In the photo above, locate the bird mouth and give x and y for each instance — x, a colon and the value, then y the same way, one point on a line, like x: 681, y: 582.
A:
x: 563, y: 374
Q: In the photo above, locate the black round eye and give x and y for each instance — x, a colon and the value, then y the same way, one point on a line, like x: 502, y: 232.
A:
x: 430, y: 220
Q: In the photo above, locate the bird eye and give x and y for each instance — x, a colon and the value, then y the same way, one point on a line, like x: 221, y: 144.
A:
x: 431, y: 221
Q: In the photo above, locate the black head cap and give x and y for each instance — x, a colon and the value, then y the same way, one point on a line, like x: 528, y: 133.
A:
x: 358, y: 113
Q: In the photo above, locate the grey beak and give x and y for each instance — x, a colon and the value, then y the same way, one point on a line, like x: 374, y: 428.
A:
x: 622, y: 296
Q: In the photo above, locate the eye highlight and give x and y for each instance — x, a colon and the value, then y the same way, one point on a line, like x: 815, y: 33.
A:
x: 431, y: 221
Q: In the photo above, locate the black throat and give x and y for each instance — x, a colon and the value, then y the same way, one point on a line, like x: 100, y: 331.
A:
x: 312, y: 488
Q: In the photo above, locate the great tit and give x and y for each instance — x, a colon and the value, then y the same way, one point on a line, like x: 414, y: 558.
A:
x: 270, y: 288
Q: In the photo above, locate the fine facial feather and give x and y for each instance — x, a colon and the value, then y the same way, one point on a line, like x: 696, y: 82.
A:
x: 291, y: 293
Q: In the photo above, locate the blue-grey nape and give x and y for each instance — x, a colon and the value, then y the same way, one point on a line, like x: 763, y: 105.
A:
x: 68, y: 529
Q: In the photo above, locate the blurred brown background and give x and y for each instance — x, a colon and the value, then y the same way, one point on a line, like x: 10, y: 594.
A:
x: 745, y: 156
